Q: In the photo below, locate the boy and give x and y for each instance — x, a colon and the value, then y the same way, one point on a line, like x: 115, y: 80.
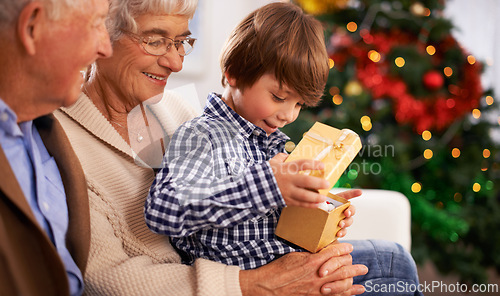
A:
x: 217, y: 196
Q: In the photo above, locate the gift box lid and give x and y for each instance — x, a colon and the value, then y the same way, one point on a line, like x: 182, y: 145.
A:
x: 334, y: 147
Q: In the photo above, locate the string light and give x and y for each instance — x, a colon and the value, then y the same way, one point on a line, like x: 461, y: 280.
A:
x: 331, y: 63
x: 471, y: 59
x: 431, y: 50
x: 352, y: 27
x: 457, y: 197
x: 365, y: 119
x: 367, y: 127
x: 374, y: 56
x: 337, y: 99
x: 476, y: 187
x: 426, y: 135
x: 400, y: 62
x: 476, y: 113
x: 448, y: 71
x: 455, y: 152
x: 428, y: 154
x: 416, y: 187
x: 489, y: 100
x: 366, y: 123
x: 486, y: 153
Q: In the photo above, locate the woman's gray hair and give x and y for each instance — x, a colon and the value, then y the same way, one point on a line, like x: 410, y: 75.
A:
x: 10, y: 9
x: 122, y: 13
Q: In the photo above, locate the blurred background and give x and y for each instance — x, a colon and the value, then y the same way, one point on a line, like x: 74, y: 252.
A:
x: 417, y: 81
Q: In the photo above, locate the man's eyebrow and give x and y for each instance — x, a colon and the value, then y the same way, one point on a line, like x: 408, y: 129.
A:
x: 162, y: 32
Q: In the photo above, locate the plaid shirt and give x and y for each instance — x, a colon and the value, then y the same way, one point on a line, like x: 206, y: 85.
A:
x: 216, y: 195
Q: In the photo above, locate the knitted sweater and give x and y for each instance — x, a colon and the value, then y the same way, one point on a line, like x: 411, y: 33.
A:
x: 126, y: 258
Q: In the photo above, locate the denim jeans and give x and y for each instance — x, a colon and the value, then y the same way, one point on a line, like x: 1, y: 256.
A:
x: 391, y: 269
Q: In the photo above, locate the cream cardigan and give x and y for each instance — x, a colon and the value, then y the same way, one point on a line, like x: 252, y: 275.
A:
x: 126, y: 258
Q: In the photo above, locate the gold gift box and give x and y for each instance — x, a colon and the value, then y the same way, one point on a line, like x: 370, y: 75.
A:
x: 314, y: 229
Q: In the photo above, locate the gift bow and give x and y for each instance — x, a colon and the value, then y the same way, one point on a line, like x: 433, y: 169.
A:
x: 338, y: 145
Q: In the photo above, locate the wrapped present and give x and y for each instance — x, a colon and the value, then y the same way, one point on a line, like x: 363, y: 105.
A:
x: 314, y: 229
x: 335, y: 148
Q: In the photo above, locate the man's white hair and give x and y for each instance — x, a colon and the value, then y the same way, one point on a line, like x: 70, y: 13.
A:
x: 10, y: 9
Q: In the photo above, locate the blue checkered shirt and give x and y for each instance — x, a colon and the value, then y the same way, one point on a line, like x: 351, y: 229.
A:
x: 216, y: 195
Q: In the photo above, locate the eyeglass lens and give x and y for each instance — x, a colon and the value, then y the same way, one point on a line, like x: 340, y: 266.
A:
x: 161, y: 45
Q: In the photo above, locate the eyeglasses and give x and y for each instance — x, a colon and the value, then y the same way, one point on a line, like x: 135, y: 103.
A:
x: 159, y: 45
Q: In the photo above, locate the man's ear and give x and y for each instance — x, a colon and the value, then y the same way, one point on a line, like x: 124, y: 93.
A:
x: 230, y: 80
x: 29, y: 25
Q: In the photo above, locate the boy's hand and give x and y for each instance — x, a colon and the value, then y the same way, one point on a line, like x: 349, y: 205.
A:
x: 349, y: 212
x: 298, y: 189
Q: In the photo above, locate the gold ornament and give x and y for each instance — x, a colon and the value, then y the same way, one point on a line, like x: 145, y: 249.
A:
x: 317, y: 7
x: 353, y: 88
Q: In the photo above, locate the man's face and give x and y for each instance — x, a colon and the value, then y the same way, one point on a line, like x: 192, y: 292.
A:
x: 69, y: 46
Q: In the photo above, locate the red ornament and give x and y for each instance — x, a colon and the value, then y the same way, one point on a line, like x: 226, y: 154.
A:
x: 433, y: 80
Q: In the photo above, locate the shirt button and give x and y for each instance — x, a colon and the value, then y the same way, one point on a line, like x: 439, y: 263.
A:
x: 46, y: 206
x: 4, y: 116
x: 256, y: 132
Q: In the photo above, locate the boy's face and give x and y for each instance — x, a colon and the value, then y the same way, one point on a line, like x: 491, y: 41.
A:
x: 267, y: 105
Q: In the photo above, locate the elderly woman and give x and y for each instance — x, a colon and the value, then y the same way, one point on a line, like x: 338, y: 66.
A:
x: 150, y: 39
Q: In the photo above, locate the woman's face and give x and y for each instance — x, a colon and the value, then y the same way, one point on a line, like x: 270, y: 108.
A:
x: 134, y: 75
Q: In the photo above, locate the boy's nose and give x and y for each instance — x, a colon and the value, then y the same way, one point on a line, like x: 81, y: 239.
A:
x: 287, y: 115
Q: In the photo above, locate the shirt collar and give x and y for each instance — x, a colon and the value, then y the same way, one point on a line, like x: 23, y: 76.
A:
x: 216, y: 107
x: 8, y: 120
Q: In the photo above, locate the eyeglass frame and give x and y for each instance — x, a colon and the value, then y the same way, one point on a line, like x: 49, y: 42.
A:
x: 143, y: 42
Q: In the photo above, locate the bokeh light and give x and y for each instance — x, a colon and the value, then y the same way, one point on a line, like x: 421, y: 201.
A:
x: 416, y: 187
x: 337, y: 99
x: 448, y: 71
x: 431, y: 50
x: 352, y: 27
x: 471, y: 59
x: 426, y: 135
x: 374, y: 56
x: 400, y: 62
x: 428, y: 154
x: 476, y: 113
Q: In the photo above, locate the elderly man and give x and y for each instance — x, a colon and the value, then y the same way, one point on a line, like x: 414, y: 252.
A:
x: 44, y: 214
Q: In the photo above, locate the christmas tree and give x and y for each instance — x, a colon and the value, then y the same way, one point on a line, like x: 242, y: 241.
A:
x: 402, y: 82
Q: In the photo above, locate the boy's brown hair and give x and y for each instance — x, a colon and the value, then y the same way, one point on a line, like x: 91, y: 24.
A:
x: 278, y: 39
